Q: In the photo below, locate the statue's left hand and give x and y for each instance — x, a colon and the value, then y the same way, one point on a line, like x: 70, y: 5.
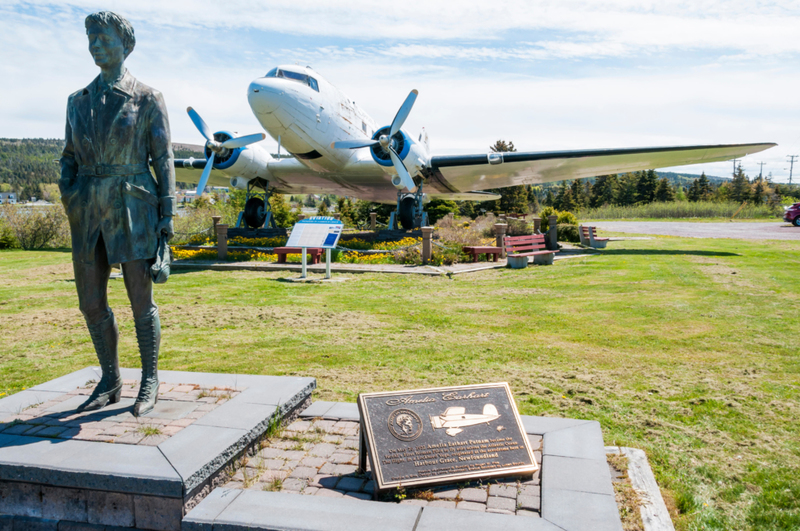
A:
x: 166, y: 226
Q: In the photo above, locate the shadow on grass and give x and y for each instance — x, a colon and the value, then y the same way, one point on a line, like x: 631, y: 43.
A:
x: 644, y: 252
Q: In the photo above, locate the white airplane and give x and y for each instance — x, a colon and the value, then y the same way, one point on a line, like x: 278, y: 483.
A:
x: 338, y: 149
x: 456, y: 418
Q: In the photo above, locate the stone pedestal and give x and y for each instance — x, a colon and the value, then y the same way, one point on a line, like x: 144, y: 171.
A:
x: 500, y: 234
x: 427, y: 244
x: 222, y: 241
x: 63, y: 470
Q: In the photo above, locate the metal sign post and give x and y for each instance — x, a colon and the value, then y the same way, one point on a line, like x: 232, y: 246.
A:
x: 316, y: 233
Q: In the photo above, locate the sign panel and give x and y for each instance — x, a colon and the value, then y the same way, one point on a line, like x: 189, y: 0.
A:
x: 320, y: 232
x: 430, y: 436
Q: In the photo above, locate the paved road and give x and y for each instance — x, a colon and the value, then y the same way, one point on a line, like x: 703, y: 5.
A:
x: 741, y: 230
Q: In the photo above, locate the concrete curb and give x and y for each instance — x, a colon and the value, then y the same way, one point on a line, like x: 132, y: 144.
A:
x: 655, y: 515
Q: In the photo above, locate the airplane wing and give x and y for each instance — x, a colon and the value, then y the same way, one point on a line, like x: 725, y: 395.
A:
x: 454, y: 411
x: 461, y: 173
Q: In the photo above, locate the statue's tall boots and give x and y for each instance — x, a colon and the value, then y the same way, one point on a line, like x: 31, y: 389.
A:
x: 148, y: 333
x: 105, y: 336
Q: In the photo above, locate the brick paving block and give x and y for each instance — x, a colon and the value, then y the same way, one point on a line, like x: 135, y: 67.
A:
x: 343, y: 458
x: 534, y: 514
x: 293, y: 484
x: 322, y: 450
x: 471, y: 506
x: 333, y: 439
x: 473, y: 495
x: 369, y: 487
x: 272, y: 464
x: 529, y: 503
x: 499, y: 511
x: 325, y: 425
x: 328, y: 493
x: 315, y: 462
x: 196, y: 415
x: 289, y: 465
x: 310, y: 491
x: 350, y: 484
x: 238, y: 476
x: 169, y: 431
x: 18, y: 429
x: 505, y: 504
x: 448, y: 494
x: 343, y: 470
x: 95, y: 438
x: 35, y: 430
x: 506, y: 491
x: 270, y: 453
x: 303, y: 472
x: 351, y: 443
x: 284, y: 445
x: 116, y: 431
x: 130, y: 438
x: 534, y: 480
x: 69, y: 433
x: 300, y: 426
x: 292, y: 455
x: 416, y: 503
x: 51, y: 431
x: 255, y: 485
x: 530, y: 490
x: 271, y: 475
x: 183, y: 389
x: 324, y: 481
x: 447, y: 504
x: 182, y: 422
x: 327, y: 469
x: 95, y: 425
x: 234, y: 485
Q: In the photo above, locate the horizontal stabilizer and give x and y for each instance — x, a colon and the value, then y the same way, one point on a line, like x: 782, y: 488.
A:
x: 489, y: 409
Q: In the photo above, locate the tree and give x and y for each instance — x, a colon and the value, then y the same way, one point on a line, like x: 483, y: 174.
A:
x: 740, y: 186
x: 512, y: 198
x: 309, y: 201
x: 604, y: 191
x: 281, y: 213
x: 704, y: 186
x: 345, y: 209
x: 646, y: 186
x: 759, y: 191
x: 439, y: 208
x: 664, y: 191
x: 549, y: 200
x: 627, y: 189
x: 579, y: 195
x: 322, y: 209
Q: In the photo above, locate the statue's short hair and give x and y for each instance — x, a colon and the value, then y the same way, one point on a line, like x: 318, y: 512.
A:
x: 120, y: 25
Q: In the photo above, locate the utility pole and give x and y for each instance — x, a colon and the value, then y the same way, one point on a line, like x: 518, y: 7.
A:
x: 791, y: 165
x: 761, y: 170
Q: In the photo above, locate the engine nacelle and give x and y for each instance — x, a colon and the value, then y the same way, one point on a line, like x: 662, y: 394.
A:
x: 414, y: 155
x: 243, y: 164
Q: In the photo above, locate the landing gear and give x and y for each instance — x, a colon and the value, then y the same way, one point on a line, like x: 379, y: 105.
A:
x: 409, y: 213
x: 257, y: 211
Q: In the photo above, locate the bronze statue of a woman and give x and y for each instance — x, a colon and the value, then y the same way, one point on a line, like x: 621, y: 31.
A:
x: 116, y: 207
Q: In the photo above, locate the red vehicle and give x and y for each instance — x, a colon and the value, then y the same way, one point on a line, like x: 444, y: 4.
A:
x: 792, y: 215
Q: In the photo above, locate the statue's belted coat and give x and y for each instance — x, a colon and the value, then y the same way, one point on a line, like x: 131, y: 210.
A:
x: 106, y: 185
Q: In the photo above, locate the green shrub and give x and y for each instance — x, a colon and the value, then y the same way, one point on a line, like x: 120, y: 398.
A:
x: 683, y: 209
x: 566, y: 218
x: 568, y: 233
x: 518, y: 227
x: 7, y: 239
x: 37, y: 227
x: 562, y: 218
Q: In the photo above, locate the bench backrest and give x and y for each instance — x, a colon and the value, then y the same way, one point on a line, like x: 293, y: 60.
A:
x: 587, y: 229
x: 523, y: 244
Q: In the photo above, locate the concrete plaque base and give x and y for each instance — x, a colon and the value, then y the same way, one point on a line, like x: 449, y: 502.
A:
x: 62, y: 470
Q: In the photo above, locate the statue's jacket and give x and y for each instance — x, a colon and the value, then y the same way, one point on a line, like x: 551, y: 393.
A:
x: 106, y: 185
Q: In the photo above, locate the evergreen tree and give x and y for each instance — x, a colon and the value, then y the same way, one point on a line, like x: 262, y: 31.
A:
x: 694, y: 194
x: 704, y: 187
x: 646, y: 186
x: 322, y: 209
x: 604, y: 191
x: 627, y: 189
x: 759, y: 191
x: 579, y: 195
x: 281, y: 212
x: 664, y: 191
x: 549, y: 200
x: 309, y: 201
x: 740, y: 186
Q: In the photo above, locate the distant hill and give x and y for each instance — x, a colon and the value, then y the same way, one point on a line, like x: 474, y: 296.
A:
x: 685, y: 179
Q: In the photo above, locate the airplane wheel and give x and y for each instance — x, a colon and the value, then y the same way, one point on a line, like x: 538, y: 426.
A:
x: 254, y: 213
x: 407, y: 213
x: 796, y: 221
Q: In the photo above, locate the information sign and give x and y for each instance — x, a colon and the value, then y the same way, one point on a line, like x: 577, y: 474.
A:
x: 319, y: 232
x: 443, y: 435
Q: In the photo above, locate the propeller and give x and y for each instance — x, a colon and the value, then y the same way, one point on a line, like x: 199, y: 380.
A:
x: 385, y: 142
x: 217, y: 147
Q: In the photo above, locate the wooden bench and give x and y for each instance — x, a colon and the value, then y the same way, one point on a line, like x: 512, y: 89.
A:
x: 519, y: 247
x: 589, y: 237
x: 315, y: 253
x: 476, y: 251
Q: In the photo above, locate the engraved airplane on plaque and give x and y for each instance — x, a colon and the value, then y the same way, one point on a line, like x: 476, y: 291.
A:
x: 456, y: 418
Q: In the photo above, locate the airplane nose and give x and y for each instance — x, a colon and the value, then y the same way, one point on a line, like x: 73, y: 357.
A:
x: 263, y: 97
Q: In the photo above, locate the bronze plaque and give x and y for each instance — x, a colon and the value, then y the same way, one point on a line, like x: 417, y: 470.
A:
x: 431, y: 436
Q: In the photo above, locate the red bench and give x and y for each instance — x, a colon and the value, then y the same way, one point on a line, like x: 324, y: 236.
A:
x: 589, y: 237
x: 315, y: 253
x: 476, y: 251
x: 518, y: 247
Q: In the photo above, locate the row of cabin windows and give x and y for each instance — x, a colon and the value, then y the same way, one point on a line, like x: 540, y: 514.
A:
x: 294, y: 76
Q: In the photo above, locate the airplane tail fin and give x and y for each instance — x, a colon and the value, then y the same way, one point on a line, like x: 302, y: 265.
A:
x: 436, y: 422
x: 489, y: 409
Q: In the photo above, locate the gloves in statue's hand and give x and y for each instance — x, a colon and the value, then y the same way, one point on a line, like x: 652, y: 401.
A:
x: 166, y: 226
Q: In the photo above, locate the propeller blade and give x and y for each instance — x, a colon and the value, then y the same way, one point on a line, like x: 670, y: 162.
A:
x: 402, y: 114
x: 353, y: 144
x: 242, y: 141
x: 206, y: 174
x: 405, y: 177
x: 200, y: 124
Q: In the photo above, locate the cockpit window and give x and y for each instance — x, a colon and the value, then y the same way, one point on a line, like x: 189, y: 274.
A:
x: 294, y: 76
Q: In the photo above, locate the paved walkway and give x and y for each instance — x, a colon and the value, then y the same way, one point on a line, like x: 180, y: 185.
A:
x: 740, y: 230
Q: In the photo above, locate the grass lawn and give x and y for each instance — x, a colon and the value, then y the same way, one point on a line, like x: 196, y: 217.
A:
x: 686, y: 348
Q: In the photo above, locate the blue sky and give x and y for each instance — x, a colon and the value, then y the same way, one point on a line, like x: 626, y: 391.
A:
x: 547, y: 75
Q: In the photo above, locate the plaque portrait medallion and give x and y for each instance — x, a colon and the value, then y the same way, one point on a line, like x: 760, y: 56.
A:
x: 405, y: 425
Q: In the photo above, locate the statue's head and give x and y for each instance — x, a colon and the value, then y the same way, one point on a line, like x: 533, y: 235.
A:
x: 111, y: 38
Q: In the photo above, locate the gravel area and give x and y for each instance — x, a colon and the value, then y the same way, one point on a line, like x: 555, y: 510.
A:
x: 318, y: 457
x: 737, y: 229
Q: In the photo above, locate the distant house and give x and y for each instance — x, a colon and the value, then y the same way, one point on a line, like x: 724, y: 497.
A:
x: 8, y: 198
